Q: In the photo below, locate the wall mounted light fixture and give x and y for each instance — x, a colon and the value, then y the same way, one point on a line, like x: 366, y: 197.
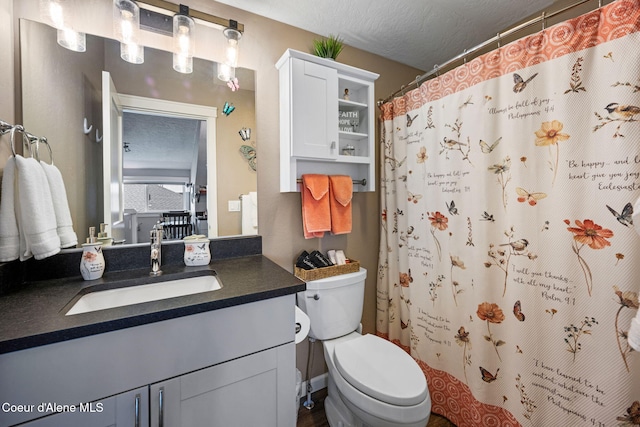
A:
x: 126, y: 27
x: 52, y: 12
x: 183, y: 41
x: 160, y: 16
x: 233, y: 37
x: 227, y: 70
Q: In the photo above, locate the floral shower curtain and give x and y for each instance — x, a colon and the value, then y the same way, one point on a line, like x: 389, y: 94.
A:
x: 509, y: 262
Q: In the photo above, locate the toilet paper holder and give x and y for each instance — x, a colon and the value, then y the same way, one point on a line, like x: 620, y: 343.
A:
x: 302, y: 325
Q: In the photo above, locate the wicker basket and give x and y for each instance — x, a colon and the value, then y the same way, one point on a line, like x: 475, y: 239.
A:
x: 322, y: 273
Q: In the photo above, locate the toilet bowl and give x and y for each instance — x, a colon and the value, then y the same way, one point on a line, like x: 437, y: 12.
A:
x: 377, y: 381
x: 371, y: 382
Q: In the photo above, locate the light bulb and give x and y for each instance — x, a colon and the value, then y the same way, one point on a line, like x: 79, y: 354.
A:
x: 232, y: 53
x: 231, y: 50
x: 183, y: 43
x: 126, y: 21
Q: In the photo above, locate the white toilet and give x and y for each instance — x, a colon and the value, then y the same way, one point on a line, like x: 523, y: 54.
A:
x: 372, y: 382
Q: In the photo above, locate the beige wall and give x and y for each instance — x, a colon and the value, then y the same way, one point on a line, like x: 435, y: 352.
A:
x: 279, y: 216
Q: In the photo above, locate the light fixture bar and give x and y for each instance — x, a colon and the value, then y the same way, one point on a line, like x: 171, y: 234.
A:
x: 160, y: 23
x: 195, y: 14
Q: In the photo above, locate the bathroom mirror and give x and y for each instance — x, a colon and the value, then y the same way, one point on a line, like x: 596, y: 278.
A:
x: 163, y: 155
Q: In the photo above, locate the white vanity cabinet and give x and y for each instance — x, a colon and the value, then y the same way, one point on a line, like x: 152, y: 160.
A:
x: 129, y: 409
x: 242, y: 392
x: 229, y: 367
x: 327, y: 120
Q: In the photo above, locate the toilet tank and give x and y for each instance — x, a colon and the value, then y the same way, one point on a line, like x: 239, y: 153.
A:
x: 334, y: 304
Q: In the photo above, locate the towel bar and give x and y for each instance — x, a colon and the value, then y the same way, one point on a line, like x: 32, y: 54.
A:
x: 27, y: 138
x: 362, y: 182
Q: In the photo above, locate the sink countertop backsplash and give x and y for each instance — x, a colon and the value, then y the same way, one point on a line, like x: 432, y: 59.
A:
x: 117, y: 258
x: 32, y: 311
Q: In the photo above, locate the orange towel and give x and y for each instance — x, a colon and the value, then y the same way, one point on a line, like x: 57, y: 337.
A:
x: 316, y: 214
x: 341, y: 193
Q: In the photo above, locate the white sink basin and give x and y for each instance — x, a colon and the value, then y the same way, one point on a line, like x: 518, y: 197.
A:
x: 101, y: 300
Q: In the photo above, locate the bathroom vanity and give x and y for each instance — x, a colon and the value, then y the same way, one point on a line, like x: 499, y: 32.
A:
x: 223, y: 357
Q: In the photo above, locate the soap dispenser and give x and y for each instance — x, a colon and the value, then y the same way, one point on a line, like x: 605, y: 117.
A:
x: 92, y: 262
x: 196, y: 250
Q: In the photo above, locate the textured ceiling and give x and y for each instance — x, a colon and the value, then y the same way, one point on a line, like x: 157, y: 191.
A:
x: 158, y: 142
x: 420, y: 33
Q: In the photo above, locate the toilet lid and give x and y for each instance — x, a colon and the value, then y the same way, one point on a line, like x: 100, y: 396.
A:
x: 381, y: 370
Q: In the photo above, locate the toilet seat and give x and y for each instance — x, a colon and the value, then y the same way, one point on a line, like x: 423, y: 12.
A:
x: 381, y: 369
x: 372, y: 411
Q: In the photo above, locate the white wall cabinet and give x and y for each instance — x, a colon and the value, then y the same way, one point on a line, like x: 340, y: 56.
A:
x: 327, y: 120
x: 228, y: 367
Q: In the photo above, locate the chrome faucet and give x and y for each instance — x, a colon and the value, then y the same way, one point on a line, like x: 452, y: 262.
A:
x: 156, y: 250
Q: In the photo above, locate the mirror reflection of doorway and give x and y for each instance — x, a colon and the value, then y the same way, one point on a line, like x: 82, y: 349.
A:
x: 164, y: 169
x: 161, y: 160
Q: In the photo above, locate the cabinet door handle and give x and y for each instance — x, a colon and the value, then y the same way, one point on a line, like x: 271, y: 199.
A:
x: 137, y: 411
x: 161, y: 407
x: 333, y: 145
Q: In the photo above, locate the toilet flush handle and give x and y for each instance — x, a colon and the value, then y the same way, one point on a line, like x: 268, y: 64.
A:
x: 314, y: 296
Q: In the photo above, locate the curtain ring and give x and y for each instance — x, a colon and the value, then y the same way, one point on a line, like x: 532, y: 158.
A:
x: 464, y: 57
x: 499, y: 39
x: 418, y: 81
x: 543, y: 20
x: 436, y: 70
x: 13, y: 130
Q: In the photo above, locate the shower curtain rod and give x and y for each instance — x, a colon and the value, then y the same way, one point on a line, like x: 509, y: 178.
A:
x: 492, y: 40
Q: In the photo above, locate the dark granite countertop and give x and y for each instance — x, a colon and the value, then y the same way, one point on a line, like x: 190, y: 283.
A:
x: 34, y: 314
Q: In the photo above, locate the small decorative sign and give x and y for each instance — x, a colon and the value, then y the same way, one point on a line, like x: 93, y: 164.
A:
x: 348, y: 121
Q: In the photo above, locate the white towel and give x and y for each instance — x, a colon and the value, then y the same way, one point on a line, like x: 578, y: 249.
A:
x: 253, y: 196
x: 35, y: 213
x: 634, y: 332
x: 9, y: 234
x: 64, y: 223
x: 249, y: 212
